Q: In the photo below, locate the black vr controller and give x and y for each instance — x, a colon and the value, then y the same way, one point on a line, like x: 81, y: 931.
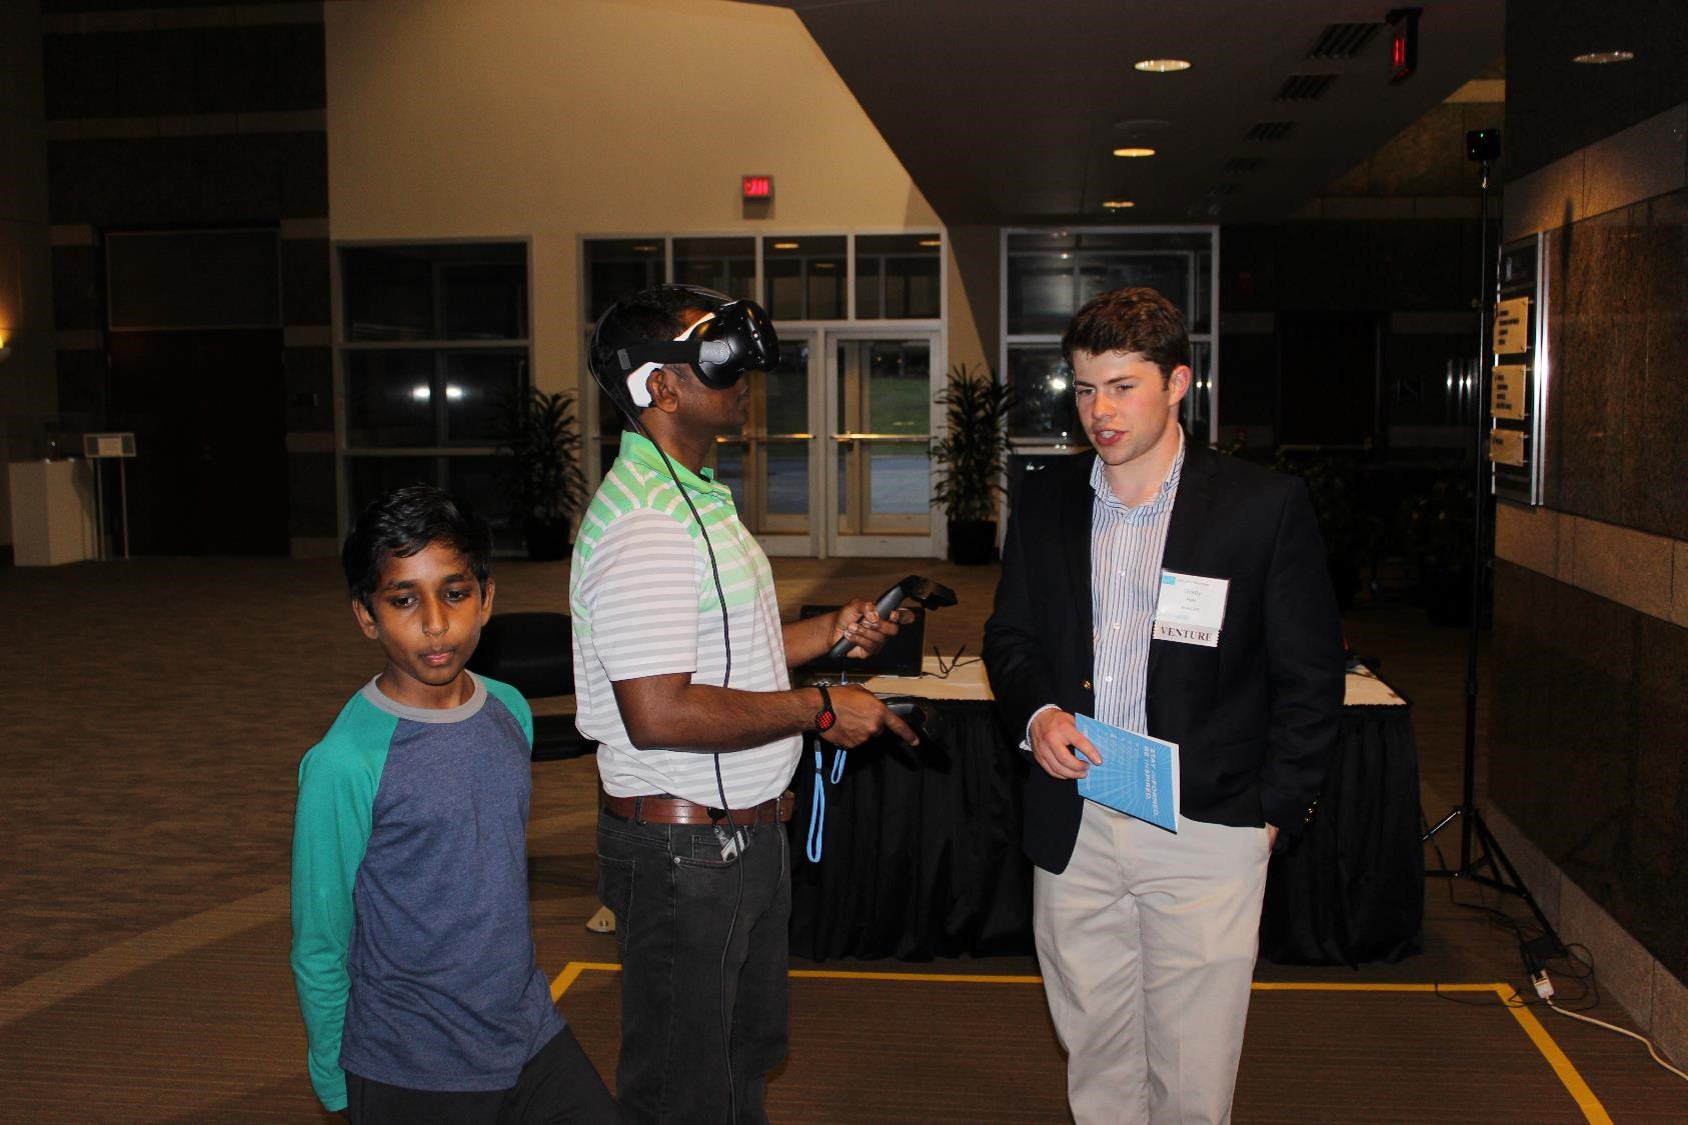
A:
x: 929, y: 594
x: 926, y: 724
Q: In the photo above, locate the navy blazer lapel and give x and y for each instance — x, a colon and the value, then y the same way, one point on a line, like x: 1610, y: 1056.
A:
x: 1077, y: 514
x: 1189, y: 522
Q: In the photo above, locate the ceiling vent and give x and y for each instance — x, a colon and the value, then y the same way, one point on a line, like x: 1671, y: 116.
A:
x: 1343, y: 40
x: 1268, y: 131
x: 1243, y: 164
x: 1304, y: 87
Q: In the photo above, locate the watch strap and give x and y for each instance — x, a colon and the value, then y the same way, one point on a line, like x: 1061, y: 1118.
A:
x: 826, y: 717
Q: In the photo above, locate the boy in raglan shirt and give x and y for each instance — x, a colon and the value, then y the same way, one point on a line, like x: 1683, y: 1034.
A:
x: 412, y: 946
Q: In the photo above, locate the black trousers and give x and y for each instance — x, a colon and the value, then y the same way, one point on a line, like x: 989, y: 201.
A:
x: 703, y: 968
x: 558, y: 1085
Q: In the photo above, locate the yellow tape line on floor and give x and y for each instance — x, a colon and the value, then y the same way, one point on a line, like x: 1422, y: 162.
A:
x: 1562, y: 1066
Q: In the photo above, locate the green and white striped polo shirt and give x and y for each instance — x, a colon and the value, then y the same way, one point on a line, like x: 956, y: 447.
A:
x: 644, y: 604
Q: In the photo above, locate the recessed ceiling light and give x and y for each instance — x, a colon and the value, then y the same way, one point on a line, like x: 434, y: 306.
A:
x: 1598, y: 57
x: 931, y: 242
x: 1134, y: 152
x: 1117, y: 204
x: 1161, y: 66
x: 785, y: 246
x: 1142, y: 124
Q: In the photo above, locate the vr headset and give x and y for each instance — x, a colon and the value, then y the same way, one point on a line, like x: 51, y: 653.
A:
x: 732, y: 339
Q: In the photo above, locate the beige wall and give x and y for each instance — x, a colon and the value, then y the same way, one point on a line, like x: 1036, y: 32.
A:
x: 553, y: 120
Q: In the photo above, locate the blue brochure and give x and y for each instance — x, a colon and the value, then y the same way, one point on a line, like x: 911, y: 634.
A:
x: 1138, y: 775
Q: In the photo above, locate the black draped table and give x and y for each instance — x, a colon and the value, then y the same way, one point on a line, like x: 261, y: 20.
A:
x: 921, y: 847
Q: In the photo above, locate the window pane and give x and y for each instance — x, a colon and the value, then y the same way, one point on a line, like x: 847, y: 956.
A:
x: 484, y: 301
x: 897, y: 276
x: 826, y: 289
x: 480, y: 482
x: 788, y: 480
x: 1043, y: 382
x: 435, y: 291
x: 1167, y: 274
x: 389, y: 399
x: 806, y: 276
x: 729, y: 469
x: 1040, y: 293
x: 369, y: 477
x: 1198, y: 404
x: 724, y: 264
x: 479, y: 389
x: 1200, y: 317
x: 899, y: 387
x: 786, y: 391
x: 901, y: 480
x: 619, y: 267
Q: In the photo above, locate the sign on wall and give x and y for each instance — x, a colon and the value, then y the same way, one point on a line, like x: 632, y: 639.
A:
x: 1519, y: 377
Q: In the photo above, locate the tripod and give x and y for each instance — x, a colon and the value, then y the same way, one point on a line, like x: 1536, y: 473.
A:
x: 1489, y: 867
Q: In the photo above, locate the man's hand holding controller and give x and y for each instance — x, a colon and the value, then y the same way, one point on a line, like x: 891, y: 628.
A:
x: 861, y: 715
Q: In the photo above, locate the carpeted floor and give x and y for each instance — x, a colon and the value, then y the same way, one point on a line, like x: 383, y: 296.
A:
x: 154, y: 717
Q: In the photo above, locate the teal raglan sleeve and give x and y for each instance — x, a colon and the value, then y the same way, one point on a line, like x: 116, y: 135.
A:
x: 331, y: 827
x: 512, y: 699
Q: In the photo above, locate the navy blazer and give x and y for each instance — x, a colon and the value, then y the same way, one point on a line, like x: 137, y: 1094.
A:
x: 1255, y: 718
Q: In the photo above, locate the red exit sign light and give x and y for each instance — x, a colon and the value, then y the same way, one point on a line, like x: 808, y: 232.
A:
x: 758, y: 187
x: 1403, y: 43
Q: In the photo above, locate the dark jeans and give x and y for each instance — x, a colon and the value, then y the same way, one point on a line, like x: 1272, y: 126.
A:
x: 703, y: 949
x: 557, y: 1086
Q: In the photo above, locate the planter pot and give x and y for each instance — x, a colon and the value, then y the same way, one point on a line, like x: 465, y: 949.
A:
x: 548, y: 540
x: 972, y: 542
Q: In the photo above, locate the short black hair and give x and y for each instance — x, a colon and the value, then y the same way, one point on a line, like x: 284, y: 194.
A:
x: 1137, y: 320
x: 647, y: 316
x: 407, y: 520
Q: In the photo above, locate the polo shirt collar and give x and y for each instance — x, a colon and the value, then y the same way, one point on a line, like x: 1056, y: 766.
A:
x: 641, y: 451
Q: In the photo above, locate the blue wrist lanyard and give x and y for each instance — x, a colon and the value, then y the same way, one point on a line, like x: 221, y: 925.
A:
x: 817, y: 808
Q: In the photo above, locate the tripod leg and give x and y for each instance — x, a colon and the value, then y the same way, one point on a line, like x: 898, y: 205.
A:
x: 1495, y: 856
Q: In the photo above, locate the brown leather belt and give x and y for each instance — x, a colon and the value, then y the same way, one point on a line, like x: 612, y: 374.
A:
x: 675, y: 810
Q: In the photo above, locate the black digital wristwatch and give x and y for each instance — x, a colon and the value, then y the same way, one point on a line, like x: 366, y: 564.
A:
x: 826, y: 718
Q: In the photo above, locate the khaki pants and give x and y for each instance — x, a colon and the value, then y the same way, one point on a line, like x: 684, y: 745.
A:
x: 1147, y: 943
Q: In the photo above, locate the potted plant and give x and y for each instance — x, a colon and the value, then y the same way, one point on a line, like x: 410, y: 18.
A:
x: 970, y: 460
x: 541, y: 451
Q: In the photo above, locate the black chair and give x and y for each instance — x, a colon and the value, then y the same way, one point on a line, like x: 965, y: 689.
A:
x: 534, y: 653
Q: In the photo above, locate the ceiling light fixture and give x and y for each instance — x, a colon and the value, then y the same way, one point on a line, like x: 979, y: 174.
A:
x: 785, y: 246
x: 1161, y: 66
x: 1142, y: 124
x: 1599, y: 58
x: 931, y: 242
x: 1118, y: 204
x: 1134, y: 151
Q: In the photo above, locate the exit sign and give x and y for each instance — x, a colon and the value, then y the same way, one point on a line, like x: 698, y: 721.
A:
x: 1403, y: 43
x: 757, y: 187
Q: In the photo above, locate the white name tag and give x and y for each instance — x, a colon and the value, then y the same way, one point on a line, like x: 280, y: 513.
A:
x: 1191, y: 609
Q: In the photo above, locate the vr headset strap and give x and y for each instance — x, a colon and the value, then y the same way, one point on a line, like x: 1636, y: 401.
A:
x: 659, y: 352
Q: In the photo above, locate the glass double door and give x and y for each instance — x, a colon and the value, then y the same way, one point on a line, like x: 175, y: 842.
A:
x: 833, y: 458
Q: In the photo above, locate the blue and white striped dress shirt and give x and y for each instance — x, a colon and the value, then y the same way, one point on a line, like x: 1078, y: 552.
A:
x: 1126, y: 545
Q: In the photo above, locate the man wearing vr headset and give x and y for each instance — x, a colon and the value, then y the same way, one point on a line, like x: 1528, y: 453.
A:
x: 681, y: 670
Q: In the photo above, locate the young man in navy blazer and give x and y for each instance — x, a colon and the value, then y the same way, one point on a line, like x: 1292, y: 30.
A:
x: 1179, y: 593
